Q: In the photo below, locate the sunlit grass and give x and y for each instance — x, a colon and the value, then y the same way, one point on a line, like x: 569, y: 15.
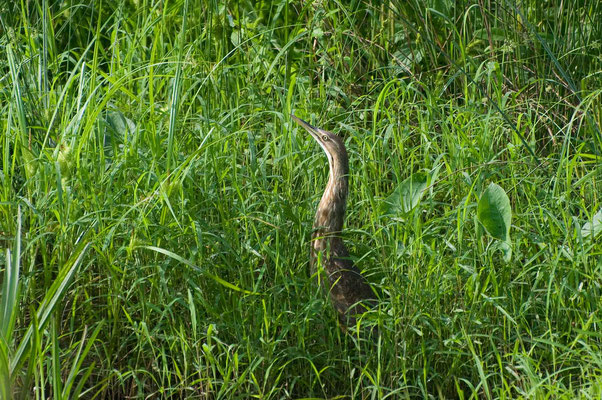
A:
x: 166, y: 200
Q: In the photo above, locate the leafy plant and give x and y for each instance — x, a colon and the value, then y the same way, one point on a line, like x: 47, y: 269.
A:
x: 407, y: 195
x: 495, y: 214
x: 166, y: 203
x: 594, y: 227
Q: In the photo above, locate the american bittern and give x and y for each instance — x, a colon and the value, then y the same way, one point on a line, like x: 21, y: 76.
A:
x: 349, y: 291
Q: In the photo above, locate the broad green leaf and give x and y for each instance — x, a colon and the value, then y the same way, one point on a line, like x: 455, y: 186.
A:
x: 407, y: 195
x: 593, y: 228
x: 494, y: 212
x: 495, y: 34
x: 120, y: 126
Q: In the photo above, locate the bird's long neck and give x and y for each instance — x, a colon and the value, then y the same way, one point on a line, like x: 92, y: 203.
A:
x: 331, y: 210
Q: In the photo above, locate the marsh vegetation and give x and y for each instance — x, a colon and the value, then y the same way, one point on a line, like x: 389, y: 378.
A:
x: 157, y: 200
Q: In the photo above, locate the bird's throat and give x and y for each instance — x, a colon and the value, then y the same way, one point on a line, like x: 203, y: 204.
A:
x: 331, y: 210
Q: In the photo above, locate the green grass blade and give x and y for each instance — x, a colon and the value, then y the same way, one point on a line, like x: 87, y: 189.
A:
x: 9, y: 302
x: 50, y: 301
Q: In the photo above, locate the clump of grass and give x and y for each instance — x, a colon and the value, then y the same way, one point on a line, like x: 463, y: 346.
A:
x: 166, y: 200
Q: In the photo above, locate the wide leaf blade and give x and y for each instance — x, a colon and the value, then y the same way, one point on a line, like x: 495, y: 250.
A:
x: 407, y: 195
x: 494, y: 212
x: 594, y: 227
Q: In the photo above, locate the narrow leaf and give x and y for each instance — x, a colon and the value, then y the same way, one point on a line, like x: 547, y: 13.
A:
x: 50, y: 301
x: 193, y: 266
x: 9, y: 301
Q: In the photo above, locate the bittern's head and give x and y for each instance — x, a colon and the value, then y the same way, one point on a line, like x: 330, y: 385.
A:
x: 332, y: 145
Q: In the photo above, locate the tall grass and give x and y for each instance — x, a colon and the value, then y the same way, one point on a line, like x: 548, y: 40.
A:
x: 157, y: 201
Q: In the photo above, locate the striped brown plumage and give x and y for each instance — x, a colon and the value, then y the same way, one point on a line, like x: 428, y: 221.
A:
x: 349, y: 291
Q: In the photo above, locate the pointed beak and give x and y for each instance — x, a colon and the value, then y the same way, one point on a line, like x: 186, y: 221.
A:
x: 308, y: 127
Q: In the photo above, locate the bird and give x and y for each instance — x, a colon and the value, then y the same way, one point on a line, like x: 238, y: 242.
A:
x: 350, y: 292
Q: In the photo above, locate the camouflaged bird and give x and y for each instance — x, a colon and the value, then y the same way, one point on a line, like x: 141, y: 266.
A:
x: 349, y: 291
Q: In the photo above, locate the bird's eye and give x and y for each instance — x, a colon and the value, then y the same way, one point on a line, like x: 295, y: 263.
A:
x: 325, y: 138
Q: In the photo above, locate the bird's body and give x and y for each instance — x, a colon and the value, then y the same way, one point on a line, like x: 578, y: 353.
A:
x: 349, y: 290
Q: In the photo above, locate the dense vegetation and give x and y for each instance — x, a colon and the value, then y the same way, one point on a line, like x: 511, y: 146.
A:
x: 157, y: 200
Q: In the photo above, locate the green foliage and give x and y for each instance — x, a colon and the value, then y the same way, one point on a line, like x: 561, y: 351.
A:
x: 407, y: 195
x: 166, y: 197
x: 10, y: 287
x: 494, y: 212
x: 593, y: 228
